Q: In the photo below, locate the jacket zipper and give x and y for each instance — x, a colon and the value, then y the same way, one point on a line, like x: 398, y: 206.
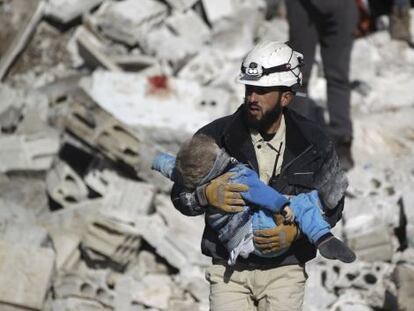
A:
x: 293, y: 160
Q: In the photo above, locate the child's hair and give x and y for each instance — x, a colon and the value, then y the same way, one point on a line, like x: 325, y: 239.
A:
x: 195, y: 159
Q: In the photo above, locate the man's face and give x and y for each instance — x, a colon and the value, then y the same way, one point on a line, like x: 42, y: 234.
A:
x: 262, y: 106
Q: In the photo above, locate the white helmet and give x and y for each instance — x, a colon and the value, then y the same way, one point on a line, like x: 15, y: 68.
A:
x: 272, y: 64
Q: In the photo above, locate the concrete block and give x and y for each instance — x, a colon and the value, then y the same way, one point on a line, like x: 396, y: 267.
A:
x: 28, y: 152
x: 153, y: 230
x: 25, y: 234
x: 129, y: 21
x: 117, y: 242
x: 66, y: 246
x: 317, y: 296
x: 190, y: 26
x: 75, y: 304
x: 164, y: 44
x: 153, y: 291
x: 25, y: 275
x: 65, y: 11
x: 203, y: 68
x: 218, y: 9
x: 164, y: 101
x: 120, y: 193
x: 183, y: 232
x: 404, y: 277
x: 181, y: 5
x: 92, y: 50
x: 64, y: 185
x: 370, y: 238
x: 146, y: 263
x: 91, y: 285
x: 99, y: 129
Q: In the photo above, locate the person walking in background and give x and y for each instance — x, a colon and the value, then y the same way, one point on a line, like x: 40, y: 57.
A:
x: 332, y: 25
x: 400, y: 21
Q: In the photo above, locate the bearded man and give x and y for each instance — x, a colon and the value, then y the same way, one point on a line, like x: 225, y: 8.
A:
x: 292, y: 155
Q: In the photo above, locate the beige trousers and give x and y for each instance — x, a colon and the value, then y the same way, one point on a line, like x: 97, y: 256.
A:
x: 276, y: 289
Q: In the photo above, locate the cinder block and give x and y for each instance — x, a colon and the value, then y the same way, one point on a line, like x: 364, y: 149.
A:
x: 64, y: 185
x: 25, y: 275
x: 65, y: 11
x: 28, y: 152
x: 129, y: 21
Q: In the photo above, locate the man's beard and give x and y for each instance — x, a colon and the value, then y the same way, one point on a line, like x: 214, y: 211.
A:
x: 267, y: 120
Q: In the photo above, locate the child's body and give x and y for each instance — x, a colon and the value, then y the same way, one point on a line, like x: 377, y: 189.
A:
x: 235, y: 230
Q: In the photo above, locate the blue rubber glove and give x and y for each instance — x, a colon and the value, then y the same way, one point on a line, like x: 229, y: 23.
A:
x: 165, y: 164
x: 259, y: 193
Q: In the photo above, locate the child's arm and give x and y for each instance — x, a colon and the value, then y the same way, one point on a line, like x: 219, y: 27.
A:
x: 258, y: 193
x: 165, y: 164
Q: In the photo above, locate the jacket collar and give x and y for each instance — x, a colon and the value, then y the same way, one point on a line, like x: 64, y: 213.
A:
x: 237, y: 140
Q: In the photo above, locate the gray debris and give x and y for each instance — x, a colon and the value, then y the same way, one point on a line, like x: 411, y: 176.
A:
x: 65, y: 11
x: 25, y: 275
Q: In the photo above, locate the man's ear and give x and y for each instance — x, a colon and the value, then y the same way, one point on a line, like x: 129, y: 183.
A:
x: 286, y: 98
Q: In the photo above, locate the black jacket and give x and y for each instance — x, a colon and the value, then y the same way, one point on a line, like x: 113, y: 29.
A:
x: 309, y: 162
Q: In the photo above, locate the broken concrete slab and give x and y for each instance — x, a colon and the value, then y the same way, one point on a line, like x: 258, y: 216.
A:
x: 21, y: 40
x: 370, y: 238
x: 164, y: 44
x: 65, y: 11
x: 189, y: 25
x: 28, y: 152
x: 181, y: 5
x: 164, y: 101
x: 64, y: 185
x: 116, y: 241
x: 204, y: 67
x: 66, y: 246
x: 90, y: 284
x: 25, y: 275
x: 129, y: 21
x: 75, y: 304
x: 404, y: 277
x: 102, y: 131
x: 91, y: 50
x: 218, y: 9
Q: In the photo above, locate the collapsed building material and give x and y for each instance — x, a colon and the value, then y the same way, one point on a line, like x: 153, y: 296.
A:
x: 66, y: 246
x: 218, y: 9
x: 64, y: 185
x: 125, y: 199
x: 189, y: 25
x: 21, y: 39
x: 404, y: 277
x: 25, y: 275
x: 129, y: 21
x: 153, y: 290
x: 28, y: 152
x: 65, y: 11
x: 134, y: 62
x: 91, y: 50
x: 203, y: 68
x: 370, y: 238
x: 181, y: 5
x: 91, y: 285
x: 116, y: 241
x: 163, y: 101
x: 100, y: 130
x: 73, y: 304
x: 166, y: 45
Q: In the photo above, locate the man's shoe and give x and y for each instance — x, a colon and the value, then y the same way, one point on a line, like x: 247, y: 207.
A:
x: 343, y: 149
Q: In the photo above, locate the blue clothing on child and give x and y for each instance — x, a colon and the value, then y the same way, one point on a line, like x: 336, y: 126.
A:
x: 235, y: 230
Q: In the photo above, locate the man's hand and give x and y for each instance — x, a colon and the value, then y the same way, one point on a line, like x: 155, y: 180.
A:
x: 278, y: 238
x: 224, y: 195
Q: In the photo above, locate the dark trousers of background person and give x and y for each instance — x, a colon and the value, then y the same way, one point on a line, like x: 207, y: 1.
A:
x: 330, y: 23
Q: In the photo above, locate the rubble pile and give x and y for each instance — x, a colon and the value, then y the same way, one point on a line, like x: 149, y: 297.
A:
x: 91, y: 90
